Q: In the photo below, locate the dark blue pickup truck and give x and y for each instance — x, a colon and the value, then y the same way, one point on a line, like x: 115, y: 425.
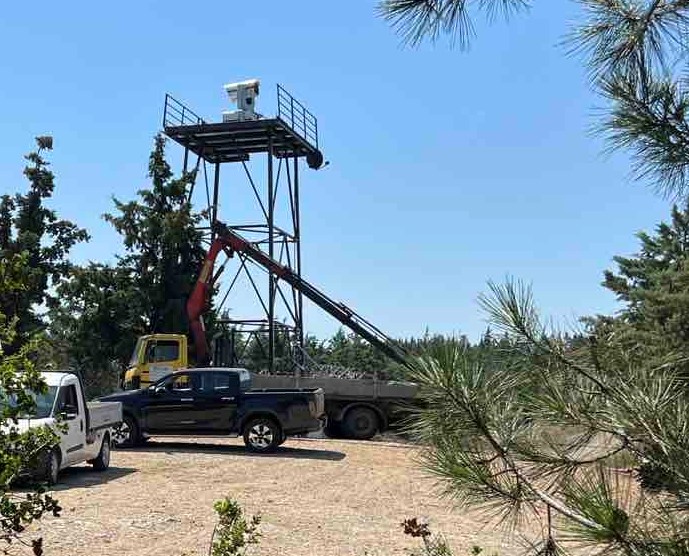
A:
x: 217, y: 401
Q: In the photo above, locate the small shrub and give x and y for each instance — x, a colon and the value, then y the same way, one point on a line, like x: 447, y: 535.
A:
x: 233, y: 534
x: 433, y: 545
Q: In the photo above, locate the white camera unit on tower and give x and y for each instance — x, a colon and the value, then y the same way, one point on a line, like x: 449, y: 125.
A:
x: 244, y: 94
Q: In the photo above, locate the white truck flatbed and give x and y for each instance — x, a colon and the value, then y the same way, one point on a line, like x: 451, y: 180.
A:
x: 104, y: 414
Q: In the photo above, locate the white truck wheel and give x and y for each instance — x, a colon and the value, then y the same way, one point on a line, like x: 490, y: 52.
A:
x: 102, y: 461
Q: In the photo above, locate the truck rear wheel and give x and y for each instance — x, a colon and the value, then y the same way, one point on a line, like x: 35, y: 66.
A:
x: 262, y: 435
x: 127, y: 434
x: 361, y: 423
x: 102, y: 461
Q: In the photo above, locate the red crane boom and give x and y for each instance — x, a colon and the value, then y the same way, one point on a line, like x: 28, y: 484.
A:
x: 229, y: 241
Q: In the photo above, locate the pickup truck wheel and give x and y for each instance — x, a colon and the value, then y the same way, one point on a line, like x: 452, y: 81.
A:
x: 361, y: 423
x: 52, y: 466
x: 102, y: 461
x: 262, y: 435
x: 127, y: 434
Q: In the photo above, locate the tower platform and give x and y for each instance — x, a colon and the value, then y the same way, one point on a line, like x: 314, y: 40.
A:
x: 292, y: 133
x: 235, y: 141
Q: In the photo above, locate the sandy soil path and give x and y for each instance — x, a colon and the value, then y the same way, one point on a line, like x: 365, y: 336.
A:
x: 317, y: 497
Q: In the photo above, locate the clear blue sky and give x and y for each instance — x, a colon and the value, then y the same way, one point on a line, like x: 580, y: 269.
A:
x: 447, y: 168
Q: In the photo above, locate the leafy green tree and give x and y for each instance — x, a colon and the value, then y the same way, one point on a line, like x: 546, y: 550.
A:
x: 102, y: 309
x: 20, y: 451
x: 164, y: 249
x: 255, y: 354
x: 314, y: 347
x: 346, y: 355
x: 97, y: 323
x: 28, y: 227
x: 350, y: 351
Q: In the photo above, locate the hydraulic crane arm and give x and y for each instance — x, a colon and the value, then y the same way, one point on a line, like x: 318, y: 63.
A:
x: 226, y: 239
x: 197, y: 303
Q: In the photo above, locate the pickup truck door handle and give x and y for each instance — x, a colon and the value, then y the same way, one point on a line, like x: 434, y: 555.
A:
x: 186, y: 399
x: 81, y: 425
x: 228, y: 399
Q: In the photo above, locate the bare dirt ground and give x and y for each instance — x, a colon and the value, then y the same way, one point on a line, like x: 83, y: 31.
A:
x: 317, y: 497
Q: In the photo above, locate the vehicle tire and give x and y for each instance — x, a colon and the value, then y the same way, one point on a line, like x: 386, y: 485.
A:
x: 262, y: 435
x: 127, y: 435
x: 283, y: 438
x: 52, y: 466
x: 361, y: 423
x: 102, y: 460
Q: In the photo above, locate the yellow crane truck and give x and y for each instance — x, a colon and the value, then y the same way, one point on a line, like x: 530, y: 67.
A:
x: 356, y: 408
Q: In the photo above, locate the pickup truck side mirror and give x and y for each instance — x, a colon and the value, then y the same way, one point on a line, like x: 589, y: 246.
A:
x: 69, y: 412
x: 157, y: 390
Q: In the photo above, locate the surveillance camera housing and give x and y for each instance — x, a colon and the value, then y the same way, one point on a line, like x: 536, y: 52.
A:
x: 244, y: 94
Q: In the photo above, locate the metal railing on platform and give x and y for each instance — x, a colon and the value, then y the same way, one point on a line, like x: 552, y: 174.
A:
x: 292, y: 113
x: 295, y: 114
x: 176, y: 114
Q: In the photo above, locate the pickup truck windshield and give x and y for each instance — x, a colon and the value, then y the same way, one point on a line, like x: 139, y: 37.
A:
x: 44, y: 403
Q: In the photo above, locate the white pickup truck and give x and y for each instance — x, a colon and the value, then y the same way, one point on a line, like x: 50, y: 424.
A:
x: 86, y: 433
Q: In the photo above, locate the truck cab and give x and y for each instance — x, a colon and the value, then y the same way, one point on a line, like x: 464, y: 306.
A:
x: 155, y: 356
x: 84, y: 429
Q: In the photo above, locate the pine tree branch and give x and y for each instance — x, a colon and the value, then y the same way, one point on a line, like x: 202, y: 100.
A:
x: 653, y: 124
x: 417, y: 20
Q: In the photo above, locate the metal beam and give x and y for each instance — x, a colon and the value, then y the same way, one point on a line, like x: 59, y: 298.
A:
x: 271, y: 252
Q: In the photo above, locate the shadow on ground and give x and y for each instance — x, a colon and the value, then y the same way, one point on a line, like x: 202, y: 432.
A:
x: 81, y: 476
x: 175, y: 447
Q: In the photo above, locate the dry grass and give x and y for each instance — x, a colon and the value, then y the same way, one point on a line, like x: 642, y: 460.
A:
x: 317, y: 497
